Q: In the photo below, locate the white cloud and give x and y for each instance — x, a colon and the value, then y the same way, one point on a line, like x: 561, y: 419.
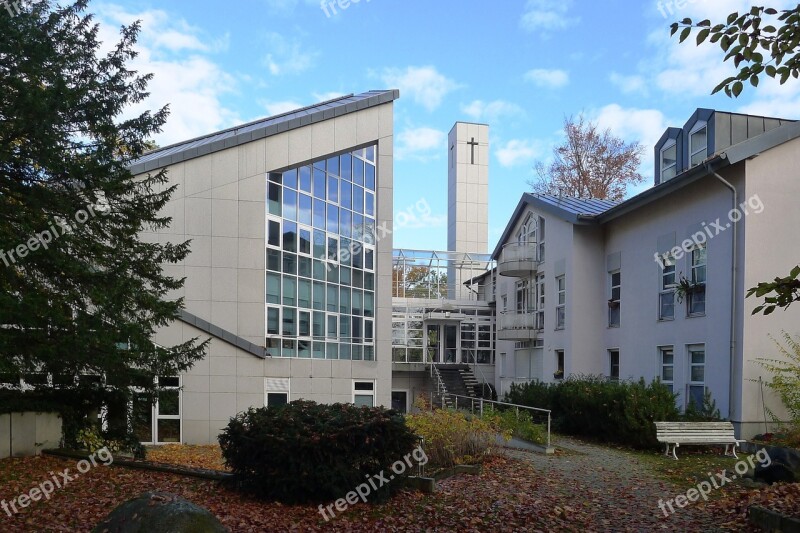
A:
x: 553, y: 78
x: 287, y: 56
x: 774, y: 100
x: 420, y: 143
x: 283, y: 106
x: 184, y: 76
x: 491, y: 111
x: 324, y: 97
x: 518, y: 152
x: 545, y: 16
x: 644, y: 126
x: 629, y: 84
x: 425, y: 85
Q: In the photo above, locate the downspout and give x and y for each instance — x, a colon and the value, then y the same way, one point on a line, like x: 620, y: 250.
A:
x: 734, y: 262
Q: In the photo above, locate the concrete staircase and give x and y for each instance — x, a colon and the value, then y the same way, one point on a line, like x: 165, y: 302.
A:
x: 459, y: 379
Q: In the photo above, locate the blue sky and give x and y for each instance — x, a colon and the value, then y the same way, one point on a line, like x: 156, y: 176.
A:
x: 518, y: 65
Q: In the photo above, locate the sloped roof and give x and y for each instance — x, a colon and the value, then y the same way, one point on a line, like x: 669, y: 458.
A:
x: 259, y: 129
x: 573, y: 210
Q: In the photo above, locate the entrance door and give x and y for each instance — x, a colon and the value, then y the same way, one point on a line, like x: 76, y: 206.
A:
x: 400, y: 400
x: 442, y: 343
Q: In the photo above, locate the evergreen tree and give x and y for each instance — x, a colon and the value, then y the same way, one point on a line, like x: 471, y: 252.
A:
x: 80, y: 295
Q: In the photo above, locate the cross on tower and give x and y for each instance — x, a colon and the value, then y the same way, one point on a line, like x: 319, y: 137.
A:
x: 473, y: 144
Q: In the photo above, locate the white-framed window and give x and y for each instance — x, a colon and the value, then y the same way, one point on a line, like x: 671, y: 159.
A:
x: 697, y: 375
x: 559, y: 373
x: 669, y: 160
x: 561, y: 291
x: 698, y: 143
x: 696, y: 299
x: 540, y: 301
x: 522, y: 296
x: 527, y: 233
x: 276, y: 391
x: 615, y: 293
x: 364, y: 393
x: 159, y: 422
x: 666, y: 363
x: 541, y: 239
x: 666, y: 290
x: 613, y: 365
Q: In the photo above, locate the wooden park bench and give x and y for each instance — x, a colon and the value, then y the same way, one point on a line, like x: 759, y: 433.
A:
x: 697, y: 433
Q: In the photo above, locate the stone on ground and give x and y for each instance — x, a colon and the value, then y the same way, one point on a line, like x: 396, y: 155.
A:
x: 162, y: 512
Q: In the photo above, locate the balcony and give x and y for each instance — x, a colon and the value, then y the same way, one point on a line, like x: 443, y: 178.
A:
x: 519, y: 326
x: 518, y: 260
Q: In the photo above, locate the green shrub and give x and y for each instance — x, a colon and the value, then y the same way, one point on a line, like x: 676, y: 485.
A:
x: 307, y: 452
x: 707, y: 412
x: 786, y: 376
x: 518, y: 424
x: 452, y: 437
x: 622, y: 412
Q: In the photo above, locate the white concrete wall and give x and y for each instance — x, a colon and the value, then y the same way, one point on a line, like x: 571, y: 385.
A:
x: 220, y: 204
x: 770, y: 251
x: 640, y: 333
x: 26, y: 434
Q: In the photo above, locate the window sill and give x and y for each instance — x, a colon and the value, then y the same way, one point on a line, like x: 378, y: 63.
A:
x: 559, y: 329
x: 613, y: 326
x: 696, y: 315
x: 666, y: 319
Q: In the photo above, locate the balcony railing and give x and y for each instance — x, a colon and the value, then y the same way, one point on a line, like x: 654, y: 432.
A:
x: 516, y: 325
x: 518, y: 259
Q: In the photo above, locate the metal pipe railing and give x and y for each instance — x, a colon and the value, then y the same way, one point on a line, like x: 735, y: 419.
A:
x: 517, y: 407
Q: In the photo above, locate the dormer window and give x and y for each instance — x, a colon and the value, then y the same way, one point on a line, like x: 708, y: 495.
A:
x: 669, y: 161
x: 698, y: 143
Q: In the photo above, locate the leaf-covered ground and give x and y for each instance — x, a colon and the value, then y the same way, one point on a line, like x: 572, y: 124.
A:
x: 207, y: 457
x: 590, y: 488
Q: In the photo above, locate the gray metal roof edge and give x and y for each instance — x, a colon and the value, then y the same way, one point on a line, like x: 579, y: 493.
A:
x: 528, y: 199
x: 761, y: 143
x: 732, y: 155
x: 221, y: 334
x: 366, y: 100
x: 662, y: 189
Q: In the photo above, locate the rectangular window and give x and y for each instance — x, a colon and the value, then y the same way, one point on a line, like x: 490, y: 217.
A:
x: 541, y: 239
x: 613, y: 371
x: 667, y: 364
x: 559, y: 374
x: 698, y: 144
x: 669, y: 161
x: 666, y: 290
x: 276, y: 392
x: 615, y: 279
x: 364, y: 393
x: 696, y: 299
x: 540, y: 301
x: 561, y: 285
x: 522, y: 296
x: 697, y: 375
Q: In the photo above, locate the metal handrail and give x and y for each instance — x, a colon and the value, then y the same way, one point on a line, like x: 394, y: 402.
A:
x: 506, y: 404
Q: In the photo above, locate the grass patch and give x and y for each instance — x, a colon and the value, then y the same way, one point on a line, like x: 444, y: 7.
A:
x: 693, y: 465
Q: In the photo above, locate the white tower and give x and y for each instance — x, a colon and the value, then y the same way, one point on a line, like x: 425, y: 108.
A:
x: 467, y: 198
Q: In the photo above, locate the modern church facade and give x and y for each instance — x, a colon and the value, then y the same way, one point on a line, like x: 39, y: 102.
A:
x: 294, y: 278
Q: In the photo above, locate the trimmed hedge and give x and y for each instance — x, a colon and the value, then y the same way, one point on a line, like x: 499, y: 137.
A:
x: 307, y: 452
x: 622, y: 412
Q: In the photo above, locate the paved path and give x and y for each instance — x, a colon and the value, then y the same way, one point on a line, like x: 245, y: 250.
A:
x: 622, y: 492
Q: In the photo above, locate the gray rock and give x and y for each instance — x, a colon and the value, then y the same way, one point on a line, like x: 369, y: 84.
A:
x: 162, y: 512
x: 784, y: 466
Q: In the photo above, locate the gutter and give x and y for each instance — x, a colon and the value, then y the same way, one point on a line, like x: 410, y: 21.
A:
x: 734, y: 261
